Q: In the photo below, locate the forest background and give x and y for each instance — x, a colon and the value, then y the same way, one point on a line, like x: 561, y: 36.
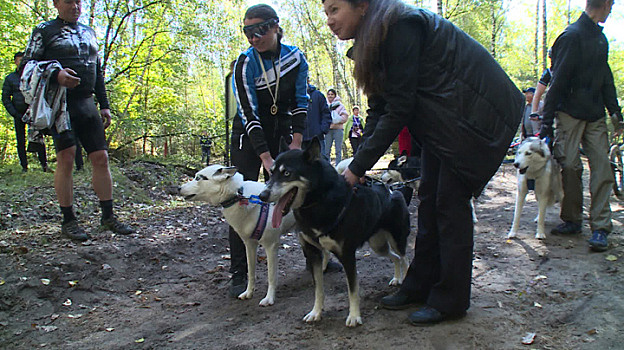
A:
x: 166, y: 60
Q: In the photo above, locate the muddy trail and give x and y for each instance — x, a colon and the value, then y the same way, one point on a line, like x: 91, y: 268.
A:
x: 165, y: 287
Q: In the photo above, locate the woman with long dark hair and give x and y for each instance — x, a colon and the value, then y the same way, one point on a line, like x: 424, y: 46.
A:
x: 270, y: 85
x: 421, y: 71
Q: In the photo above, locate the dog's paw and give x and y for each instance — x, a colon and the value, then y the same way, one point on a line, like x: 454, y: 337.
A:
x: 512, y: 234
x: 246, y: 295
x: 312, y: 316
x: 395, y: 282
x: 267, y: 301
x: 540, y: 235
x: 353, y: 321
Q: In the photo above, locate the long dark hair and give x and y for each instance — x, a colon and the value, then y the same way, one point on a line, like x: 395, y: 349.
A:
x: 381, y: 14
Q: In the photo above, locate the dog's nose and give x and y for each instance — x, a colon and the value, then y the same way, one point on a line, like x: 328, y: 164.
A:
x: 179, y: 188
x: 264, y: 195
x: 516, y: 165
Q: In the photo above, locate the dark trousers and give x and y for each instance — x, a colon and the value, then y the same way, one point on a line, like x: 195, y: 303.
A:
x: 355, y: 143
x: 248, y: 164
x: 20, y: 136
x: 441, y: 271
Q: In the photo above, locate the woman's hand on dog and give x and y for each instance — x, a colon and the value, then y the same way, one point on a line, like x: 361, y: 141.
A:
x: 267, y: 161
x: 351, y: 178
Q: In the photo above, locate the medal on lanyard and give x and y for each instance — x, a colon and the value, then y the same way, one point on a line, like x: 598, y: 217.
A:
x: 277, y: 72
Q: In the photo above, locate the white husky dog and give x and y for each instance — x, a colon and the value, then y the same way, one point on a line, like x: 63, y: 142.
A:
x: 219, y: 185
x: 535, y: 162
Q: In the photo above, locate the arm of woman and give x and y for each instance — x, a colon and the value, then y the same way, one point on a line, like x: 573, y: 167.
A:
x: 396, y: 102
x: 245, y: 91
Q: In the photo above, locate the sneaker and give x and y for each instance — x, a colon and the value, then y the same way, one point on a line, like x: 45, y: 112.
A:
x: 567, y: 228
x: 114, y: 225
x: 238, y: 284
x: 73, y: 231
x: 598, y: 242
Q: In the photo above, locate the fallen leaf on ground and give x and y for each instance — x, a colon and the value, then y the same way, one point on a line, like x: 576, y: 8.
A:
x: 611, y: 257
x: 67, y: 302
x: 528, y: 339
x: 45, y: 281
x: 72, y: 283
x: 536, y: 304
x: 592, y: 331
x: 139, y: 340
x: 110, y: 329
x: 540, y: 277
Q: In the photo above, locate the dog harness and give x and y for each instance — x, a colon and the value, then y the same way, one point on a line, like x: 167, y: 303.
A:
x: 264, y: 210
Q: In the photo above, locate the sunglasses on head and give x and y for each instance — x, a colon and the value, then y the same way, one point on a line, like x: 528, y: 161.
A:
x: 258, y: 30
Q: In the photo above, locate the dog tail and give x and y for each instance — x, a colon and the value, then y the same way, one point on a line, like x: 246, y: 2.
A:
x: 402, y: 226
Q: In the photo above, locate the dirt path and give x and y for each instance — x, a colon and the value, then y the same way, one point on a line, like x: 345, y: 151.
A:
x: 166, y: 287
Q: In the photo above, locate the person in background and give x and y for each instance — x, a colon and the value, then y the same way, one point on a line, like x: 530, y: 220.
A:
x: 206, y: 145
x: 580, y: 89
x: 318, y: 120
x: 339, y: 117
x: 13, y: 101
x: 406, y: 60
x: 354, y: 128
x: 530, y: 124
x: 270, y: 84
x: 74, y: 46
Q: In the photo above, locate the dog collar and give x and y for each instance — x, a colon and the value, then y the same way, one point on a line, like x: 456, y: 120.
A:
x: 230, y: 202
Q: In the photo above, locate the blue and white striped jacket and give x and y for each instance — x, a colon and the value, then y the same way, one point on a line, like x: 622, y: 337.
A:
x: 253, y: 117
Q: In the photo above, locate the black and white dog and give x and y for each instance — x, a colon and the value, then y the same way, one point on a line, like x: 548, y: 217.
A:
x: 334, y: 216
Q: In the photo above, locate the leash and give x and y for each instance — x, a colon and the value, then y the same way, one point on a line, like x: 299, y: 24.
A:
x: 394, y: 185
x: 253, y: 199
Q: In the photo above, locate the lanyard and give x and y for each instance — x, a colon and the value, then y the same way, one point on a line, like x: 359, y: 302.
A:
x: 277, y: 71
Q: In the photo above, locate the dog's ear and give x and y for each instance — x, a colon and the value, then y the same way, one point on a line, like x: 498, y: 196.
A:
x: 401, y: 160
x: 226, y: 172
x: 312, y: 153
x: 283, y: 145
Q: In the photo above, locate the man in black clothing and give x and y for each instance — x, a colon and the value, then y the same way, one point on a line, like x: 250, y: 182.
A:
x: 75, y: 47
x: 13, y: 101
x: 580, y: 89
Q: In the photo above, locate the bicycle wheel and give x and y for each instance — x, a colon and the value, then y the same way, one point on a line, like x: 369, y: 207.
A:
x: 615, y: 156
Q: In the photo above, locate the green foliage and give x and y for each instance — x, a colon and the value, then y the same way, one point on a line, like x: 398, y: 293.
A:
x: 166, y: 60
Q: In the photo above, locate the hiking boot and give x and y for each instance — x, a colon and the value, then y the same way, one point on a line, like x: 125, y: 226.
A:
x: 114, y: 225
x: 567, y: 228
x: 73, y: 231
x: 399, y: 301
x: 238, y: 284
x: 598, y: 242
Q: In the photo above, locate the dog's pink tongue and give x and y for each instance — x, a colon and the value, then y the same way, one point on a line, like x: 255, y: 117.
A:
x: 279, y: 208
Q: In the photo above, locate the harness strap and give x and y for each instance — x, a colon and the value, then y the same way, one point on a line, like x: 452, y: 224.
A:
x: 230, y: 202
x: 262, y: 221
x: 342, y: 213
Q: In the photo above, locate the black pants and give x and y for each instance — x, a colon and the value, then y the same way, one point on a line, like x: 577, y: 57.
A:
x: 20, y: 136
x: 355, y: 143
x: 248, y: 164
x: 441, y: 271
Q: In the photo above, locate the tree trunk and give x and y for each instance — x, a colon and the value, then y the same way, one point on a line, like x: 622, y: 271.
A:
x: 440, y: 9
x: 536, y: 47
x: 545, y: 36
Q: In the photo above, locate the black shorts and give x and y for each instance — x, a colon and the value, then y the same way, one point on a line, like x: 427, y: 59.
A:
x: 86, y: 126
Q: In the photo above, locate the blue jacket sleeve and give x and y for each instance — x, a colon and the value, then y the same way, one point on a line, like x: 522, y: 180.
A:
x: 244, y: 87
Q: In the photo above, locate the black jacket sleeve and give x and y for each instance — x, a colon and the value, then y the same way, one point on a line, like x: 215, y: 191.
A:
x: 100, y: 87
x: 565, y: 59
x: 390, y: 111
x: 610, y: 96
x: 6, y: 98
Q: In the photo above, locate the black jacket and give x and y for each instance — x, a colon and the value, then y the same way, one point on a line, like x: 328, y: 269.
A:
x: 75, y: 46
x: 319, y: 117
x: 582, y: 82
x: 12, y: 97
x: 454, y: 97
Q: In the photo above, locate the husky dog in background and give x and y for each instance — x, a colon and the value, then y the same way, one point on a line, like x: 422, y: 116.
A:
x: 334, y: 216
x: 219, y: 185
x: 535, y: 162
